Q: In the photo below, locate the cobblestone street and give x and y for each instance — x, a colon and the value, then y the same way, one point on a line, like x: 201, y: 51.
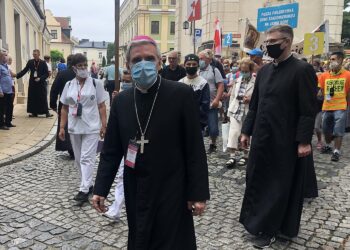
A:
x: 37, y: 210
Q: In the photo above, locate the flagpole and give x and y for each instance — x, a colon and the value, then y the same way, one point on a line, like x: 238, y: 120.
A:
x: 194, y: 36
x: 116, y: 43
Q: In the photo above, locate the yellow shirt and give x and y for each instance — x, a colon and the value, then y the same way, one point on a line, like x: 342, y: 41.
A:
x: 340, y: 83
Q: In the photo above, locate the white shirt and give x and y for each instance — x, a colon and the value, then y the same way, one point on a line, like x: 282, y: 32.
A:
x: 90, y: 96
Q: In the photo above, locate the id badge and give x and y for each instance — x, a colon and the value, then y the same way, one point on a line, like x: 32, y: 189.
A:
x: 75, y: 110
x: 35, y: 74
x: 131, y: 155
x: 328, y: 97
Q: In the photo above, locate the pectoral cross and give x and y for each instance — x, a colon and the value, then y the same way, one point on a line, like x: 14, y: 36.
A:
x: 142, y: 142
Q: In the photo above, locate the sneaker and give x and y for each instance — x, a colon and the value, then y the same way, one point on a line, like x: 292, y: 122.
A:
x: 264, y: 241
x: 212, y: 148
x: 81, y: 196
x: 326, y: 150
x: 335, y: 156
x: 231, y: 163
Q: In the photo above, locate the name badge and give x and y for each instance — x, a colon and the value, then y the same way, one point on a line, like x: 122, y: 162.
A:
x: 131, y: 154
x: 35, y: 74
x: 328, y: 97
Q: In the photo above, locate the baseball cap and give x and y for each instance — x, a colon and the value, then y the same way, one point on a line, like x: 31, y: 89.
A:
x: 256, y: 52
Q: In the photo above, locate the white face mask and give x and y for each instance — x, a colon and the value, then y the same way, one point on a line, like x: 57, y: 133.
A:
x: 334, y: 65
x: 82, y: 73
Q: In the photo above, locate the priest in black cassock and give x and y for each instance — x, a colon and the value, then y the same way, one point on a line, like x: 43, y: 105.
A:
x: 37, y: 91
x: 156, y: 127
x: 58, y: 84
x: 281, y: 122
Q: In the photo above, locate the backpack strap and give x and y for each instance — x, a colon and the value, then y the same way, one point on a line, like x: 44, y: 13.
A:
x: 93, y: 82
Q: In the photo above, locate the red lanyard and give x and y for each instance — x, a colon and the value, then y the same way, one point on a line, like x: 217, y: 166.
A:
x: 79, y: 92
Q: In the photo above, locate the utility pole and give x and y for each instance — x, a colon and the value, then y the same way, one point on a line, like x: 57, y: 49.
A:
x: 116, y: 43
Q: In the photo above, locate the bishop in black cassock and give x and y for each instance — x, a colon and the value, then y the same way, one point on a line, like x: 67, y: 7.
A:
x: 37, y: 92
x: 171, y: 171
x: 282, y: 114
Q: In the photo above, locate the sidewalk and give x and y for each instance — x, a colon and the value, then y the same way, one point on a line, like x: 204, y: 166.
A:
x: 29, y: 137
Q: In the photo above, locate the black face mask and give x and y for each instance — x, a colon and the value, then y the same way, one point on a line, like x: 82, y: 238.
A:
x: 274, y: 50
x: 191, y: 70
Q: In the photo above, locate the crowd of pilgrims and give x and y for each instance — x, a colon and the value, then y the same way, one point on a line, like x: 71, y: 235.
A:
x: 239, y: 96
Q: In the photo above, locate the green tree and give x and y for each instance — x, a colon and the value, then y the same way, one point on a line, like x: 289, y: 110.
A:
x: 110, y: 52
x: 104, y: 62
x: 56, y: 55
x: 346, y: 24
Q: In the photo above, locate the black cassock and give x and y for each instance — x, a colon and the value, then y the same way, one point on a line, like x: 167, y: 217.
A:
x: 56, y: 91
x: 37, y: 92
x: 282, y: 115
x: 172, y: 170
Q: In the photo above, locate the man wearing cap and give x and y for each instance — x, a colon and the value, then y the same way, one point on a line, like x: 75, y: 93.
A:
x: 166, y: 172
x: 256, y: 55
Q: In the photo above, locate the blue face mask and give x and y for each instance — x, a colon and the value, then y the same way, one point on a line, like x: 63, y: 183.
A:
x: 144, y: 73
x: 202, y: 64
x: 245, y: 74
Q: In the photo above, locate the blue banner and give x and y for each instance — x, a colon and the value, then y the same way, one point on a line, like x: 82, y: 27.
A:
x: 282, y: 14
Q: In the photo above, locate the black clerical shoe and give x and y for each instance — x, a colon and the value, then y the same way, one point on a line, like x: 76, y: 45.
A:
x: 81, y: 196
x: 263, y: 241
x: 4, y: 128
x: 10, y: 125
x: 212, y: 149
x: 49, y: 115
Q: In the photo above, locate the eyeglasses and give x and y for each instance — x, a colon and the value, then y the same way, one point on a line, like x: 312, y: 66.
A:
x: 274, y: 41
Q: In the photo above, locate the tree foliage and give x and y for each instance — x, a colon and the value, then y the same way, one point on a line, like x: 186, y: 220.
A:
x: 104, y: 62
x: 346, y: 24
x: 56, y: 55
x: 110, y: 52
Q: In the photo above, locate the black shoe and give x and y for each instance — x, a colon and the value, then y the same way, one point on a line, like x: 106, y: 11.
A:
x: 49, y: 115
x: 335, y: 156
x: 263, y: 241
x: 81, y: 196
x: 212, y: 148
x: 91, y: 189
x: 4, y: 128
x: 231, y: 163
x: 10, y: 125
x: 326, y: 150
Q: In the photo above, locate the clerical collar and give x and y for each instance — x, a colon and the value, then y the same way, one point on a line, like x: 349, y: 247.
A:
x: 151, y: 89
x: 276, y: 64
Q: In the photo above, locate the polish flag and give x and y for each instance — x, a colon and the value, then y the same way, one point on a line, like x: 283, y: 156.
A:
x: 217, y: 38
x: 194, y: 10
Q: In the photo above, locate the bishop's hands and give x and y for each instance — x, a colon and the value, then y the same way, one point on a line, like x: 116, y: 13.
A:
x: 245, y: 140
x: 197, y: 207
x: 304, y: 150
x: 98, y: 203
x: 37, y: 79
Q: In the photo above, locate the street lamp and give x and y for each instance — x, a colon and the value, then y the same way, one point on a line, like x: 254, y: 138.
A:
x: 116, y: 42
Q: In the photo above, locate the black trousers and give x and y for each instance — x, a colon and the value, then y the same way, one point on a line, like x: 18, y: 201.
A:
x: 110, y: 88
x: 6, y: 110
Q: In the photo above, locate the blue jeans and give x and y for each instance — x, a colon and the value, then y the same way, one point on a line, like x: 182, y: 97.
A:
x: 213, y: 122
x: 334, y: 122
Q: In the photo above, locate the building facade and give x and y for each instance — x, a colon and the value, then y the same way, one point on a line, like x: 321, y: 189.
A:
x: 22, y: 29
x: 154, y: 18
x: 233, y: 15
x: 93, y: 50
x: 60, y: 30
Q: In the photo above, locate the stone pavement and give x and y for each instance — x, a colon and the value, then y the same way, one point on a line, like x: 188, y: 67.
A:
x: 29, y: 137
x: 37, y: 210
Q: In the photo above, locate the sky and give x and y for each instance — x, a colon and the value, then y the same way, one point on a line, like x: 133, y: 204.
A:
x: 91, y: 19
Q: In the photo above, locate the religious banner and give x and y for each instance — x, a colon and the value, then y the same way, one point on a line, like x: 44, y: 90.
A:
x: 217, y: 38
x: 255, y: 39
x: 313, y: 43
x: 194, y: 10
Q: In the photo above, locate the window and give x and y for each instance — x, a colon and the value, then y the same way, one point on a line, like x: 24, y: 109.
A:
x: 54, y: 34
x: 99, y: 54
x: 172, y: 28
x: 155, y: 27
x: 155, y: 2
x: 173, y: 2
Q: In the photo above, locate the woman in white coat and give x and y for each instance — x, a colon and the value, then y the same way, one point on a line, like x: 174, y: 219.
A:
x: 241, y: 93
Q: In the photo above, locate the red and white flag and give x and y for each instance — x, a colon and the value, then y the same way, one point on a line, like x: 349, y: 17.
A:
x: 217, y: 38
x: 194, y: 10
